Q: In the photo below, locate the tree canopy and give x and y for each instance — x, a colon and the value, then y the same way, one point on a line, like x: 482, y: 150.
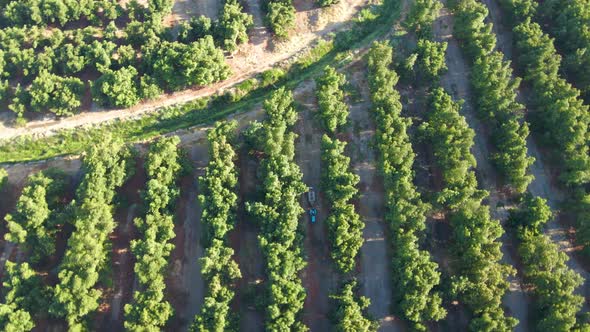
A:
x: 415, y: 275
x: 117, y: 88
x: 149, y: 311
x: 219, y: 201
x: 74, y: 297
x: 480, y: 280
x: 278, y: 213
x: 495, y: 94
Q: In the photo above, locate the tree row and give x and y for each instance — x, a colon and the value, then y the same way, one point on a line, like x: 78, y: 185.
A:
x: 495, y: 93
x: 480, y: 280
x: 561, y: 118
x: 552, y: 282
x: 560, y: 113
x: 339, y: 183
x: 219, y: 201
x: 278, y: 212
x: 33, y: 228
x: 415, y: 275
x: 105, y: 167
x: 568, y: 22
x: 149, y: 311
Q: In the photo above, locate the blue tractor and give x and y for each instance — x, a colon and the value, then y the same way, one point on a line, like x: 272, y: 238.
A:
x: 312, y: 215
x: 311, y: 198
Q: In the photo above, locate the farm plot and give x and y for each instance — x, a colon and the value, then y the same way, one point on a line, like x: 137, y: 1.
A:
x: 419, y: 221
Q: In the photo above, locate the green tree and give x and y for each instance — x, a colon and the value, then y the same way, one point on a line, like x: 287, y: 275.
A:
x: 422, y: 15
x: 281, y: 17
x: 332, y: 107
x: 194, y: 29
x: 480, y: 280
x: 105, y: 169
x: 496, y: 93
x: 24, y: 296
x: 3, y: 178
x: 339, y: 184
x: 219, y: 202
x: 117, y: 88
x: 569, y: 25
x: 545, y: 269
x: 30, y: 223
x: 233, y: 25
x: 431, y: 58
x: 59, y: 95
x: 19, y: 101
x: 326, y: 3
x: 278, y: 213
x: 414, y: 274
x: 452, y: 140
x: 562, y: 116
x: 178, y: 66
x: 149, y: 311
x: 350, y: 309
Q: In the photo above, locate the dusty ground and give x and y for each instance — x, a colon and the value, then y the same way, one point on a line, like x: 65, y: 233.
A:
x: 111, y: 314
x: 374, y: 268
x: 252, y: 58
x: 184, y: 284
x: 123, y: 263
x: 244, y: 241
x: 183, y: 10
x: 320, y: 278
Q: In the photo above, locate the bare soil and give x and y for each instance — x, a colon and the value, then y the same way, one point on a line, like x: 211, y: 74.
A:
x: 183, y: 10
x: 185, y: 285
x: 244, y: 241
x: 375, y: 258
x: 320, y: 277
x: 123, y: 264
x: 123, y: 260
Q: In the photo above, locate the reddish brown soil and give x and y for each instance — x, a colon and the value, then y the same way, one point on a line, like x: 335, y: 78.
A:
x: 122, y: 260
x: 320, y: 278
x: 248, y: 255
x: 175, y: 293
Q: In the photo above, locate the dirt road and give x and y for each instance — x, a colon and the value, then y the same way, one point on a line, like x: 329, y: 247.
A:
x: 456, y: 82
x: 122, y: 269
x: 320, y: 278
x: 375, y: 259
x: 192, y: 279
x: 244, y: 241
